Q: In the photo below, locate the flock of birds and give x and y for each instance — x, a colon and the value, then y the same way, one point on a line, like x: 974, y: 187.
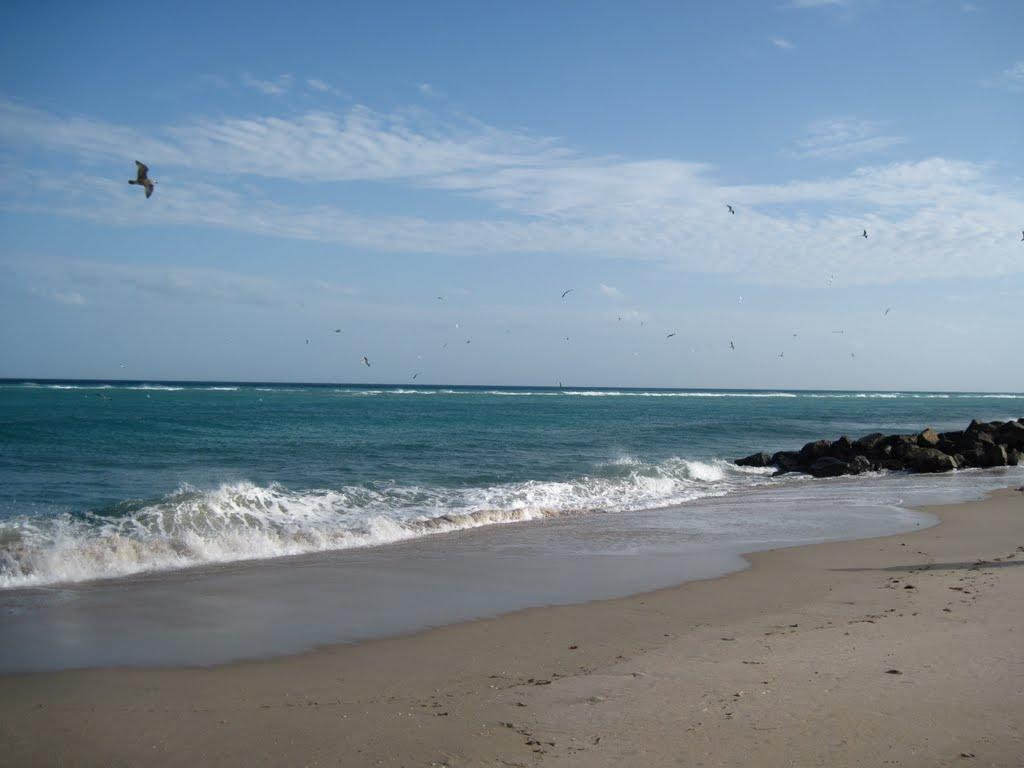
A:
x: 142, y: 179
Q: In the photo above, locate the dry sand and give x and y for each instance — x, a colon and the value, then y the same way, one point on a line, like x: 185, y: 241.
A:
x: 902, y: 651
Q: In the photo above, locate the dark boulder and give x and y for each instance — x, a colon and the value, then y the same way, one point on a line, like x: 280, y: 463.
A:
x: 929, y: 460
x: 980, y: 426
x: 995, y: 455
x: 1013, y: 457
x: 928, y: 439
x: 868, y: 443
x: 786, y: 461
x: 902, y: 445
x: 761, y: 459
x: 842, y: 449
x: 1011, y: 434
x: 860, y: 464
x: 826, y: 466
x: 815, y: 450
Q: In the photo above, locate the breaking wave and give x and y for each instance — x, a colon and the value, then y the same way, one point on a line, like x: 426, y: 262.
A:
x: 244, y: 521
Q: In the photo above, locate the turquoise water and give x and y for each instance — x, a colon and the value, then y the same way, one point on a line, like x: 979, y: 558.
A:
x: 102, y: 479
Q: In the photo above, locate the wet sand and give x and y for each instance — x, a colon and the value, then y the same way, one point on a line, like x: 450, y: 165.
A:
x: 906, y: 650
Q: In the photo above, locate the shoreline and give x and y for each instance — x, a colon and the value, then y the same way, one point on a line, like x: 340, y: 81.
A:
x: 713, y: 670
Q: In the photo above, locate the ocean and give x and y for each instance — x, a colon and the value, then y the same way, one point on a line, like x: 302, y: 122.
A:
x: 102, y: 479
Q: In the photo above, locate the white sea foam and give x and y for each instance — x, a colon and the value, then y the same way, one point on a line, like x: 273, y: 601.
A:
x: 243, y: 521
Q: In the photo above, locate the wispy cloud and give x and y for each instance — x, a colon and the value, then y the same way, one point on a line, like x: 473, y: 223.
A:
x: 816, y: 3
x: 68, y: 297
x: 844, y: 137
x: 317, y: 85
x: 1011, y: 78
x: 541, y: 196
x: 610, y: 291
x: 274, y: 87
x: 783, y: 43
x: 426, y: 89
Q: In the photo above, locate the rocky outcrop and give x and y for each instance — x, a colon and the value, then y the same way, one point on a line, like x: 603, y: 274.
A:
x: 983, y: 444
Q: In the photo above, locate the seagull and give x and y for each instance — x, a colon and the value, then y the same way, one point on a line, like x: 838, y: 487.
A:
x: 852, y: 354
x: 337, y: 330
x: 741, y: 299
x: 671, y: 335
x: 307, y: 341
x: 414, y: 376
x: 731, y: 210
x: 468, y: 341
x: 366, y: 362
x: 142, y: 178
x: 865, y: 234
x: 887, y: 310
x: 1022, y: 235
x: 782, y: 354
x: 566, y: 293
x: 731, y: 345
x: 440, y: 298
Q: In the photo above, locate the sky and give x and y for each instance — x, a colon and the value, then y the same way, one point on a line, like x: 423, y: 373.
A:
x: 428, y: 179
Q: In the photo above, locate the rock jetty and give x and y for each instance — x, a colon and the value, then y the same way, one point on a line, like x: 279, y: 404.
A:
x: 982, y: 444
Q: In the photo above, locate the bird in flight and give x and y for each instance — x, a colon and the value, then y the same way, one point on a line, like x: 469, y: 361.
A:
x: 337, y: 330
x: 887, y: 310
x: 414, y: 376
x: 838, y: 331
x: 440, y: 298
x: 731, y: 345
x: 366, y: 362
x: 142, y: 178
x: 566, y: 293
x: 865, y: 234
x: 852, y: 354
x: 731, y: 209
x: 1022, y: 235
x: 671, y: 335
x: 782, y: 354
x: 307, y: 341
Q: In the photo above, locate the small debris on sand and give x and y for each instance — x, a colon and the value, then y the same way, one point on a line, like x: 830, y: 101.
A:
x: 893, y: 672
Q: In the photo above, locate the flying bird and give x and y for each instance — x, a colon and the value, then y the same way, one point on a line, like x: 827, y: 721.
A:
x: 1022, y: 235
x: 852, y: 354
x: 307, y: 341
x: 887, y: 310
x: 731, y: 209
x: 741, y: 299
x: 414, y: 376
x: 566, y: 293
x: 366, y: 362
x: 731, y: 345
x: 142, y: 178
x: 337, y: 330
x: 782, y: 354
x: 671, y: 335
x: 865, y: 234
x: 838, y: 331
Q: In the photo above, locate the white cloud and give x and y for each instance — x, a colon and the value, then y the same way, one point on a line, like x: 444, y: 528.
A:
x: 274, y: 87
x: 781, y: 42
x: 1011, y: 78
x: 540, y: 196
x: 844, y: 137
x: 426, y: 89
x: 318, y: 85
x: 610, y: 291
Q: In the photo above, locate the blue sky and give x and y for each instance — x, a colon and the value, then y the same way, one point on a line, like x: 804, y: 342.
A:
x: 342, y: 166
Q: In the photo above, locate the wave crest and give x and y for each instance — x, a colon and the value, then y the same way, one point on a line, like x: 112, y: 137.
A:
x: 244, y: 521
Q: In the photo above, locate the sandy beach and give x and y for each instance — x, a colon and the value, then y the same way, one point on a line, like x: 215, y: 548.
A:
x: 903, y: 650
